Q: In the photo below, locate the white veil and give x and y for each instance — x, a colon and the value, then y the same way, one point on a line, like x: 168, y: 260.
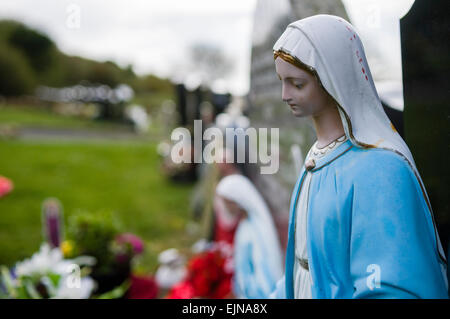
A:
x: 332, y: 47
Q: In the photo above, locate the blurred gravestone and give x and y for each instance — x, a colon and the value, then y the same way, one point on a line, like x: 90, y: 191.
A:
x: 220, y: 102
x: 181, y: 103
x: 266, y: 107
x: 426, y: 65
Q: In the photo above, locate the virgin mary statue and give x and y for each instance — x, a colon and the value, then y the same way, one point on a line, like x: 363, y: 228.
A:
x: 361, y: 224
x: 257, y: 253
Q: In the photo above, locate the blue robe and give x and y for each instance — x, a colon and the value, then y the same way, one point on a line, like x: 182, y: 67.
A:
x: 253, y: 279
x: 370, y: 231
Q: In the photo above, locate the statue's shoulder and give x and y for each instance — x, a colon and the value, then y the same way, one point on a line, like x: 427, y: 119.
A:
x: 377, y: 162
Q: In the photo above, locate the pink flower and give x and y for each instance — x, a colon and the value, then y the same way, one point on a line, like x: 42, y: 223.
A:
x: 133, y: 240
x: 6, y: 186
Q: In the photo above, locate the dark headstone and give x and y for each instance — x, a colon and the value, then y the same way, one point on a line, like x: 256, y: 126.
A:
x: 181, y: 103
x: 426, y: 64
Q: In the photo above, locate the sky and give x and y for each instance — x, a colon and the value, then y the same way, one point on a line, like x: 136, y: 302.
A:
x: 378, y: 24
x: 155, y: 36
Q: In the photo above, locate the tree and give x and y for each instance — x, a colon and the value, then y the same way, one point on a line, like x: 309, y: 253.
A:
x: 209, y: 63
x: 36, y: 46
x: 16, y: 76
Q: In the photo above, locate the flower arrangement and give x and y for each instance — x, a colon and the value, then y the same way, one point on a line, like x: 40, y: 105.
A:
x: 94, y: 261
x: 48, y: 275
x: 209, y: 275
x: 99, y: 235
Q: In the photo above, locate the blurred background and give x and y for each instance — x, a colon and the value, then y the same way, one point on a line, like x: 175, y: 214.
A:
x: 90, y: 92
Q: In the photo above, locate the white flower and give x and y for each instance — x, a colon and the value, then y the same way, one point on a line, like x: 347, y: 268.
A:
x: 68, y: 289
x: 44, y: 261
x: 50, y: 261
x: 170, y: 257
x: 167, y: 276
x: 200, y: 246
x: 172, y: 269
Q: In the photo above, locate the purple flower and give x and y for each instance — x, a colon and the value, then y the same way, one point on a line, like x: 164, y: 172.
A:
x: 134, y: 241
x: 52, y: 215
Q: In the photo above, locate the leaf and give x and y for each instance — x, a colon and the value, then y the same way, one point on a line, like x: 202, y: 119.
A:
x: 31, y: 290
x: 117, y: 292
x: 8, y: 281
x: 51, y: 283
x: 54, y: 278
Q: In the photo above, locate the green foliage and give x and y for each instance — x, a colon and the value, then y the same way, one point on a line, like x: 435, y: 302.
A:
x: 36, y: 46
x: 16, y: 76
x: 106, y: 73
x: 6, y: 28
x: 123, y: 177
x: 93, y: 234
x: 15, y: 117
x: 152, y: 83
x: 117, y: 292
x: 29, y: 57
x: 7, y: 281
x: 79, y: 69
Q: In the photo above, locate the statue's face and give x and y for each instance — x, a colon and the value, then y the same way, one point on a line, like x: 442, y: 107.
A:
x: 234, y: 208
x: 301, y: 90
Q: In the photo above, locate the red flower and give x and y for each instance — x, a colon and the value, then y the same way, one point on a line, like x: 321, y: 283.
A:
x: 200, y: 282
x: 142, y: 288
x: 6, y: 186
x: 223, y: 289
x: 183, y: 290
x: 207, y: 275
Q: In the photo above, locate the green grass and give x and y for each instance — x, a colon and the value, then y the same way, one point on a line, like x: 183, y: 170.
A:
x: 123, y: 177
x: 33, y: 116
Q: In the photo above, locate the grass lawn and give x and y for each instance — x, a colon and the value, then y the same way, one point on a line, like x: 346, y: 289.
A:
x: 22, y: 115
x: 123, y: 177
